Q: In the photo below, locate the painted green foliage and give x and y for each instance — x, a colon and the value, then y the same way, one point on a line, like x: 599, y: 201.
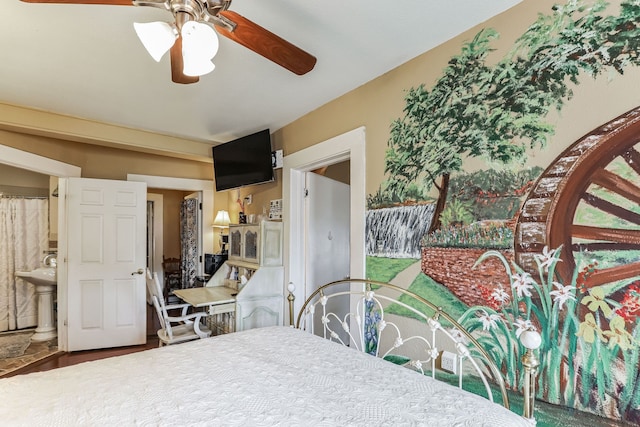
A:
x: 489, y: 194
x: 497, y: 111
x: 590, y: 342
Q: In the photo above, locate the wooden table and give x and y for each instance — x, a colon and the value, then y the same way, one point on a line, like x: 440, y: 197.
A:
x: 220, y: 302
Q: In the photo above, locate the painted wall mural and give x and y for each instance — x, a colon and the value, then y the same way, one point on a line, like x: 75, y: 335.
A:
x: 510, y: 246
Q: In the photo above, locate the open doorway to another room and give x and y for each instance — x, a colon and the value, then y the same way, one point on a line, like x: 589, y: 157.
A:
x: 169, y: 195
x: 26, y: 176
x: 175, y: 226
x: 347, y: 152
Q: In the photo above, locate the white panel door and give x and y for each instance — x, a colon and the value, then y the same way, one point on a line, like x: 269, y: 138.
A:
x: 106, y: 234
x: 327, y: 216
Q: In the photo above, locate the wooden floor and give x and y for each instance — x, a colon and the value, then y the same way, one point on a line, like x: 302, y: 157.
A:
x: 67, y: 359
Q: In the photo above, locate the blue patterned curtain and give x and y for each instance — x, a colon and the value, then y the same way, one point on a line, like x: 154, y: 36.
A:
x: 188, y: 236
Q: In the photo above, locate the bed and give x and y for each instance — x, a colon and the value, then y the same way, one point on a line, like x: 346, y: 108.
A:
x: 261, y: 377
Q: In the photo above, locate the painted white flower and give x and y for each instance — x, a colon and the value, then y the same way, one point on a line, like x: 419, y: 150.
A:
x: 499, y: 295
x: 523, y: 325
x: 489, y: 321
x: 547, y: 257
x: 522, y: 283
x: 562, y: 294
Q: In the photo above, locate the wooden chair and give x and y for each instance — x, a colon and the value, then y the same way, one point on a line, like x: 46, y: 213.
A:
x: 175, y: 329
x: 172, y: 276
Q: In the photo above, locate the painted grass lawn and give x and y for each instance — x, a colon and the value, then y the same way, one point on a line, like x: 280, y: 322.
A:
x: 385, y: 269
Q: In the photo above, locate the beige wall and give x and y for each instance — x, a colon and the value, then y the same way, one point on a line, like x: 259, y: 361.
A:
x: 339, y: 172
x: 262, y: 195
x: 105, y: 162
x: 16, y: 177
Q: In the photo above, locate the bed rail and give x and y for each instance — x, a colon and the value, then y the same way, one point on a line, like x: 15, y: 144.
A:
x: 400, y: 326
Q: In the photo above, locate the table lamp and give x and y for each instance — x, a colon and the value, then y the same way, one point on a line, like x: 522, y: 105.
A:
x: 222, y: 221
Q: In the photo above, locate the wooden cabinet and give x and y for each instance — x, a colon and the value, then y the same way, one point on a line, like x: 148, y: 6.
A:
x: 255, y: 270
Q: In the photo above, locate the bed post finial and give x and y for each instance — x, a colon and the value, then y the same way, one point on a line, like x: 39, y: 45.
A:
x: 291, y: 297
x: 531, y: 340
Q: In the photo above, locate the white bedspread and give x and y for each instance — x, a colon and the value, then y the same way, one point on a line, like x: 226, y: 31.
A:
x: 261, y: 377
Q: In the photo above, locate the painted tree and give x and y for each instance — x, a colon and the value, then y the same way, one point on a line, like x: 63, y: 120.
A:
x: 498, y: 111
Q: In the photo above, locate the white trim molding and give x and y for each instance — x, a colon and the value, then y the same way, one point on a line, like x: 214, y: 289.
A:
x: 35, y: 163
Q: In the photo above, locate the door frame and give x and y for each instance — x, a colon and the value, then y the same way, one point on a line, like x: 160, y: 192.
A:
x: 158, y: 232
x: 347, y: 146
x: 44, y: 165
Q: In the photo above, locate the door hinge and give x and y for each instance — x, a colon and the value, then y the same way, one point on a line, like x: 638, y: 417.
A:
x: 200, y: 206
x: 306, y: 192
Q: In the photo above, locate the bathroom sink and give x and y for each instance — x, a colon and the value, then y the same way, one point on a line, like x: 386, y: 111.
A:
x: 39, y: 276
x: 45, y: 280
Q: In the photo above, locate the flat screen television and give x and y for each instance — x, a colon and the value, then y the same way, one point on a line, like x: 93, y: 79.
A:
x: 243, y: 161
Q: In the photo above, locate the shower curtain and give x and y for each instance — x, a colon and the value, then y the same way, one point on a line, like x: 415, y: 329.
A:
x: 188, y: 236
x: 24, y: 234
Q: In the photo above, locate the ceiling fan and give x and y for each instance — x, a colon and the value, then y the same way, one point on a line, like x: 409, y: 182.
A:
x: 193, y: 42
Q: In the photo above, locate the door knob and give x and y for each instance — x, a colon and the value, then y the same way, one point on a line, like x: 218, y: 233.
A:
x: 140, y: 271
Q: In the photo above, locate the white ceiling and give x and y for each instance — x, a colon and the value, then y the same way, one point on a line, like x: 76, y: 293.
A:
x: 86, y: 61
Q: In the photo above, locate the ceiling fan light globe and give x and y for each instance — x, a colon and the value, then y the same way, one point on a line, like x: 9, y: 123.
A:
x: 199, y: 39
x: 156, y: 37
x: 196, y: 67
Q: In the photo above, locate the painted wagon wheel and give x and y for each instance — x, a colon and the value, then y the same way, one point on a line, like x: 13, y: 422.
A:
x: 596, y: 178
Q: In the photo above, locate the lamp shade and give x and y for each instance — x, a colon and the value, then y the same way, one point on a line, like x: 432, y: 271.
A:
x: 156, y: 37
x: 199, y: 46
x: 222, y: 219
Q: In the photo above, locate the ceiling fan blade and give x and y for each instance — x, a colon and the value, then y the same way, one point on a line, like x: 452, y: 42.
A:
x: 267, y: 44
x: 110, y: 2
x: 177, y: 65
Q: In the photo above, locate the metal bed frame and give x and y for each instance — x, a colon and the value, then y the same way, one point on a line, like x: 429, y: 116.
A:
x: 434, y: 342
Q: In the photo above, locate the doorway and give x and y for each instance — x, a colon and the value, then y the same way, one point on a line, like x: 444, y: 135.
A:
x: 348, y: 146
x: 24, y: 160
x: 203, y: 190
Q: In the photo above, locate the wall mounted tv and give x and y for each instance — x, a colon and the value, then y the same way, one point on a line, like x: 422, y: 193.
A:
x: 243, y: 161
